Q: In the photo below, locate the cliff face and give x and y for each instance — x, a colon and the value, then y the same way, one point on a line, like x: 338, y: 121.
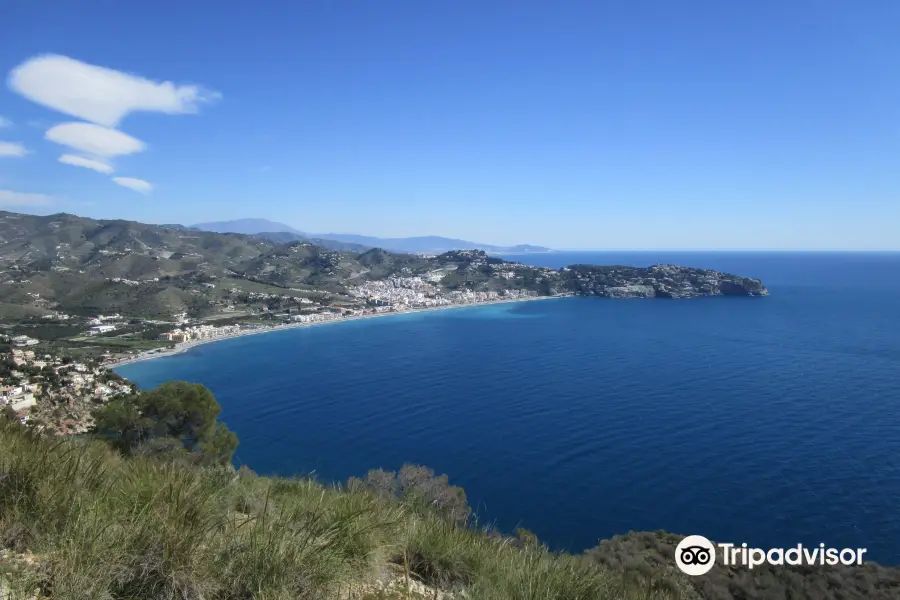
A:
x: 659, y: 281
x: 477, y: 269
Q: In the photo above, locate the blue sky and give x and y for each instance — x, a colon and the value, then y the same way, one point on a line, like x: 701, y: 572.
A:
x: 577, y: 124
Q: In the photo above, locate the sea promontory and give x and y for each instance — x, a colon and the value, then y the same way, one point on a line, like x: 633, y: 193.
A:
x: 659, y: 281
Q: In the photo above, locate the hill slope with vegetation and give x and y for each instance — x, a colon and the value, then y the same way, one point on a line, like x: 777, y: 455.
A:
x: 149, y: 506
x: 84, y: 266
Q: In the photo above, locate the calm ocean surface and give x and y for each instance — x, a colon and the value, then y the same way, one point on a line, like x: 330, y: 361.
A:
x: 770, y: 421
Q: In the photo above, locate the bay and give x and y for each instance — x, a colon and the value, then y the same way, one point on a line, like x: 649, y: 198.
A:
x: 771, y: 421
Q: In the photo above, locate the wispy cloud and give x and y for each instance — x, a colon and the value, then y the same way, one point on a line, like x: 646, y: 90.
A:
x: 98, y: 94
x: 88, y: 163
x: 4, y: 122
x: 138, y: 185
x: 12, y: 149
x: 102, y: 97
x: 11, y: 198
x: 94, y: 140
x: 96, y: 145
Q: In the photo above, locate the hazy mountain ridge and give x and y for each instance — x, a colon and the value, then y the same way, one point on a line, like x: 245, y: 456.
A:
x: 246, y: 226
x: 429, y: 244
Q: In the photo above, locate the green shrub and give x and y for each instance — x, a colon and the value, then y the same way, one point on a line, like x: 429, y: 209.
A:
x: 175, y: 410
x: 420, y: 489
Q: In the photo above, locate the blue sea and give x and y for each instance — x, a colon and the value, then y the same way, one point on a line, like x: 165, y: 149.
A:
x: 771, y: 421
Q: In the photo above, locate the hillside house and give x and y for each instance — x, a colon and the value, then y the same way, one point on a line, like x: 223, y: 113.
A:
x: 22, y: 402
x: 98, y: 329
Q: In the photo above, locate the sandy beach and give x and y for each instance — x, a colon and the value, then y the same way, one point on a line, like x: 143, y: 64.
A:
x: 185, y: 346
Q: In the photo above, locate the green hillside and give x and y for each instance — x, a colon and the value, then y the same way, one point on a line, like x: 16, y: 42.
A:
x: 70, y: 264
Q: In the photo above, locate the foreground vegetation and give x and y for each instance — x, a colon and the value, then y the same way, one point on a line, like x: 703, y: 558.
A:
x: 149, y: 507
x: 84, y: 522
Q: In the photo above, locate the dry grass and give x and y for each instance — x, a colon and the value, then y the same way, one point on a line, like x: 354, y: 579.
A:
x: 103, y: 527
x: 106, y: 527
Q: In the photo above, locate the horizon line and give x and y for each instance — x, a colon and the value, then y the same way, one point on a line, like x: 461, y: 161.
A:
x: 734, y: 250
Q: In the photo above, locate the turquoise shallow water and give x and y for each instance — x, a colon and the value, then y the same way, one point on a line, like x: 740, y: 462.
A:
x: 770, y: 421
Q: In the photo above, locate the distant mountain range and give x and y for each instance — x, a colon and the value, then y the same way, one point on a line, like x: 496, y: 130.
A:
x: 279, y: 232
x: 247, y: 227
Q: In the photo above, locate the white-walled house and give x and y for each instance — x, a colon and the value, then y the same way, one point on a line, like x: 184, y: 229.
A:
x: 98, y: 329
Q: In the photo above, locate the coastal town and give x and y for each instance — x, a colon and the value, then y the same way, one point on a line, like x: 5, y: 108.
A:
x: 399, y: 293
x: 393, y: 295
x: 54, y: 392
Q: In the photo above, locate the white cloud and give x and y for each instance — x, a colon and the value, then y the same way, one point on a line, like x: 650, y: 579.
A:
x: 11, y: 198
x: 138, y: 185
x: 88, y: 163
x: 4, y: 122
x: 100, y: 95
x: 94, y: 140
x: 14, y: 149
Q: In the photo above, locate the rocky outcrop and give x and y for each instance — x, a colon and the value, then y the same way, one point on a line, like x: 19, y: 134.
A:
x: 659, y: 281
x: 742, y: 287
